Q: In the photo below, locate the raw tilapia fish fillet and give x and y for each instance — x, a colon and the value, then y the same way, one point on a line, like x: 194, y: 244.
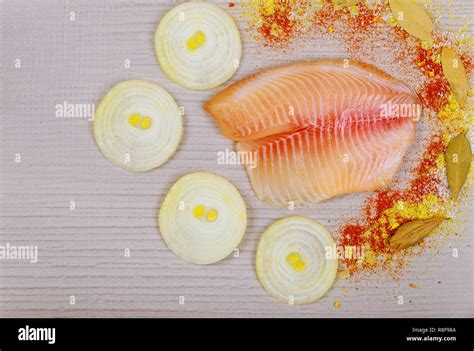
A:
x: 318, y: 129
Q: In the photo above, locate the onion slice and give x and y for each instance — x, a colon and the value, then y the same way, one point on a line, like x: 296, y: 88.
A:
x: 203, y: 218
x: 138, y: 125
x: 198, y: 45
x: 291, y: 260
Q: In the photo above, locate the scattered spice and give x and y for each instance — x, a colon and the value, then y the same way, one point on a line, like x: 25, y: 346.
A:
x: 327, y: 15
x: 413, y: 286
x: 372, y: 32
x: 346, y: 2
x: 434, y: 93
x: 435, y: 90
x: 386, y: 210
x: 277, y: 21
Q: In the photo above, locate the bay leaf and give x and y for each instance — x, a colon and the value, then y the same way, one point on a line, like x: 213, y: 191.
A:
x: 411, y: 233
x: 455, y: 73
x: 458, y: 157
x: 413, y: 18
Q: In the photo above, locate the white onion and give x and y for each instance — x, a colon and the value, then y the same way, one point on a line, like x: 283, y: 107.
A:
x: 212, y: 62
x: 291, y: 260
x: 131, y: 147
x: 195, y: 238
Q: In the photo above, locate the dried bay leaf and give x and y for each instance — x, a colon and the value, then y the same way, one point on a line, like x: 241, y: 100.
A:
x: 411, y: 233
x: 413, y: 18
x: 458, y: 158
x: 455, y: 73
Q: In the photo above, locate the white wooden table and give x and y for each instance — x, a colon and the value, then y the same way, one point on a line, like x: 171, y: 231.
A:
x: 81, y: 251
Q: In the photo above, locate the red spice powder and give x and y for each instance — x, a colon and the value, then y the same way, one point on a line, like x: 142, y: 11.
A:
x: 466, y: 59
x: 278, y: 23
x: 425, y: 182
x: 353, y: 28
x: 326, y: 15
x: 429, y: 60
x: 358, y: 26
x: 231, y: 4
x: 365, y: 19
x: 435, y: 91
x: 331, y: 14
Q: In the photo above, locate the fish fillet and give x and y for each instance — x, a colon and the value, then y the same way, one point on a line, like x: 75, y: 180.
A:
x: 318, y: 129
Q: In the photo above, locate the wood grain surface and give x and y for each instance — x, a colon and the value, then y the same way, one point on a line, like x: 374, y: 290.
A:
x: 81, y: 251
